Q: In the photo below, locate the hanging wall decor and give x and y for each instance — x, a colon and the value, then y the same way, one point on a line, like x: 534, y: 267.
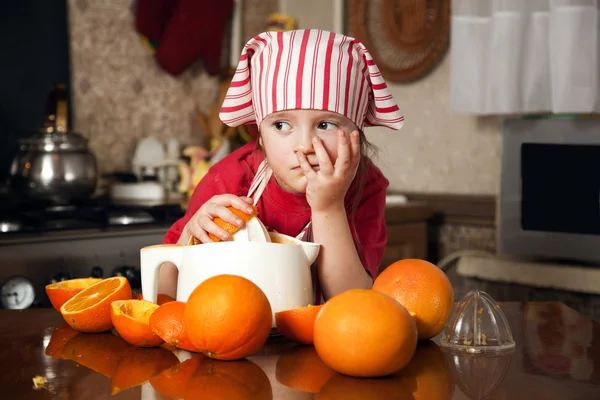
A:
x: 407, y: 38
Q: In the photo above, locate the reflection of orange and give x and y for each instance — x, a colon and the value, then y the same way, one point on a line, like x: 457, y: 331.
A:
x: 101, y: 352
x: 173, y: 381
x: 423, y: 289
x: 89, y: 310
x: 139, y: 366
x: 228, y: 317
x: 167, y: 322
x: 427, y: 374
x: 365, y: 333
x: 130, y: 318
x: 298, y: 324
x: 59, y: 338
x: 238, y: 380
x: 302, y: 369
x: 60, y: 292
x: 342, y: 387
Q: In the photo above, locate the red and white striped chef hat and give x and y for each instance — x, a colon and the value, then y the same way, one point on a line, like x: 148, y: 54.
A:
x: 308, y: 69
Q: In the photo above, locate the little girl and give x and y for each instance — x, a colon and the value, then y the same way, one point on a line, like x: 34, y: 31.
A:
x: 310, y: 92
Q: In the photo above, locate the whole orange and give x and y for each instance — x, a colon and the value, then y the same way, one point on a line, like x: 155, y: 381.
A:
x: 228, y: 317
x: 364, y: 333
x: 423, y: 289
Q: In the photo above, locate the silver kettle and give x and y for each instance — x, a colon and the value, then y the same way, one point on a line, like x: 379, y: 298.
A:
x: 54, y: 165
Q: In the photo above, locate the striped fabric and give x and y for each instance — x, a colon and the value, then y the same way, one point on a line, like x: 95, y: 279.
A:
x: 308, y: 69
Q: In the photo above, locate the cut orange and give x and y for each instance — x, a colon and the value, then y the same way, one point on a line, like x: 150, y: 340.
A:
x: 167, y: 323
x: 60, y: 292
x: 229, y: 228
x: 100, y: 353
x: 302, y: 369
x: 89, y: 310
x: 298, y: 324
x: 173, y: 382
x: 131, y: 320
x: 139, y: 366
x: 161, y: 298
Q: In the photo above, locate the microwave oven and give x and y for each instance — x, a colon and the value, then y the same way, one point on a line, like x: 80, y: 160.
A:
x: 549, y: 203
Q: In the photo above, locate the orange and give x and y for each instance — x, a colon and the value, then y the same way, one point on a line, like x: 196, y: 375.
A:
x: 364, y: 333
x: 229, y: 228
x: 60, y: 292
x: 101, y: 352
x: 161, y: 298
x: 89, y: 310
x: 298, y: 324
x: 167, y: 322
x: 173, y: 381
x: 427, y: 376
x: 131, y: 321
x: 422, y: 288
x: 239, y: 380
x: 342, y: 387
x: 59, y: 339
x: 228, y: 317
x: 302, y: 369
x: 139, y: 366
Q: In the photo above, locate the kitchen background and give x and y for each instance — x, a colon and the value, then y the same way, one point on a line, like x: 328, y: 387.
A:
x: 448, y: 164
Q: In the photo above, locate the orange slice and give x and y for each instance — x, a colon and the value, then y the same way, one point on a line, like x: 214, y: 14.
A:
x: 298, y: 324
x: 89, y: 310
x: 167, y: 323
x: 131, y: 321
x: 60, y: 292
x: 229, y: 228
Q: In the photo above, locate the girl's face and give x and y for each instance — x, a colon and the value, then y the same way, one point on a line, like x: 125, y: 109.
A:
x: 285, y: 132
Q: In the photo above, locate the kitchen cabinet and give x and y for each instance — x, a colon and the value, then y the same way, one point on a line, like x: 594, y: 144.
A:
x: 407, y: 227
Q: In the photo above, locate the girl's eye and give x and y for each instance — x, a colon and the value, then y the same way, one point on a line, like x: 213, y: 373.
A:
x: 281, y: 126
x: 326, y: 126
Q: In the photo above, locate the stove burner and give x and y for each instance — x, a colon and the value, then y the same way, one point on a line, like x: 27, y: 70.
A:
x: 130, y: 218
x: 23, y: 216
x: 10, y: 226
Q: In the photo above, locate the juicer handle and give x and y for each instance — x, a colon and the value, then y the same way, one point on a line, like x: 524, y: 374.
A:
x: 151, y: 258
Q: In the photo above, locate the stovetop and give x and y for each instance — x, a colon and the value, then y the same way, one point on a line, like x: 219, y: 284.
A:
x: 18, y: 215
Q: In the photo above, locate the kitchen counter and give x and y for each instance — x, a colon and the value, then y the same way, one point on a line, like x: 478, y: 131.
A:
x: 557, y: 356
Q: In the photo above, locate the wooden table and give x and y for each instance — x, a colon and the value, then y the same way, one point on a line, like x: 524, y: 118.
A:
x: 557, y: 356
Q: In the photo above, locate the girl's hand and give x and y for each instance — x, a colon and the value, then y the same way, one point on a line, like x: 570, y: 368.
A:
x: 327, y: 187
x: 201, y: 223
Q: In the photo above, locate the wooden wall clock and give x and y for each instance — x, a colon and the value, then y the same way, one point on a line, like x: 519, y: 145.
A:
x: 407, y: 38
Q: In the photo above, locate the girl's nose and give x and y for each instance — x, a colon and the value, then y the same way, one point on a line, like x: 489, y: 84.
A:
x: 304, y: 143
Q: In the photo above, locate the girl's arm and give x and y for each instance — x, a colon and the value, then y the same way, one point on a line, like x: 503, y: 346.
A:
x: 339, y: 266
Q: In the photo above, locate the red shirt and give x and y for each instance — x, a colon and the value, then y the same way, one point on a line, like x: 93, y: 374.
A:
x: 288, y: 213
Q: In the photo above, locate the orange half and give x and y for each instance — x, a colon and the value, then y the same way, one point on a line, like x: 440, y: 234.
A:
x: 131, y: 321
x: 60, y: 292
x: 229, y: 228
x: 89, y: 310
x: 298, y: 324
